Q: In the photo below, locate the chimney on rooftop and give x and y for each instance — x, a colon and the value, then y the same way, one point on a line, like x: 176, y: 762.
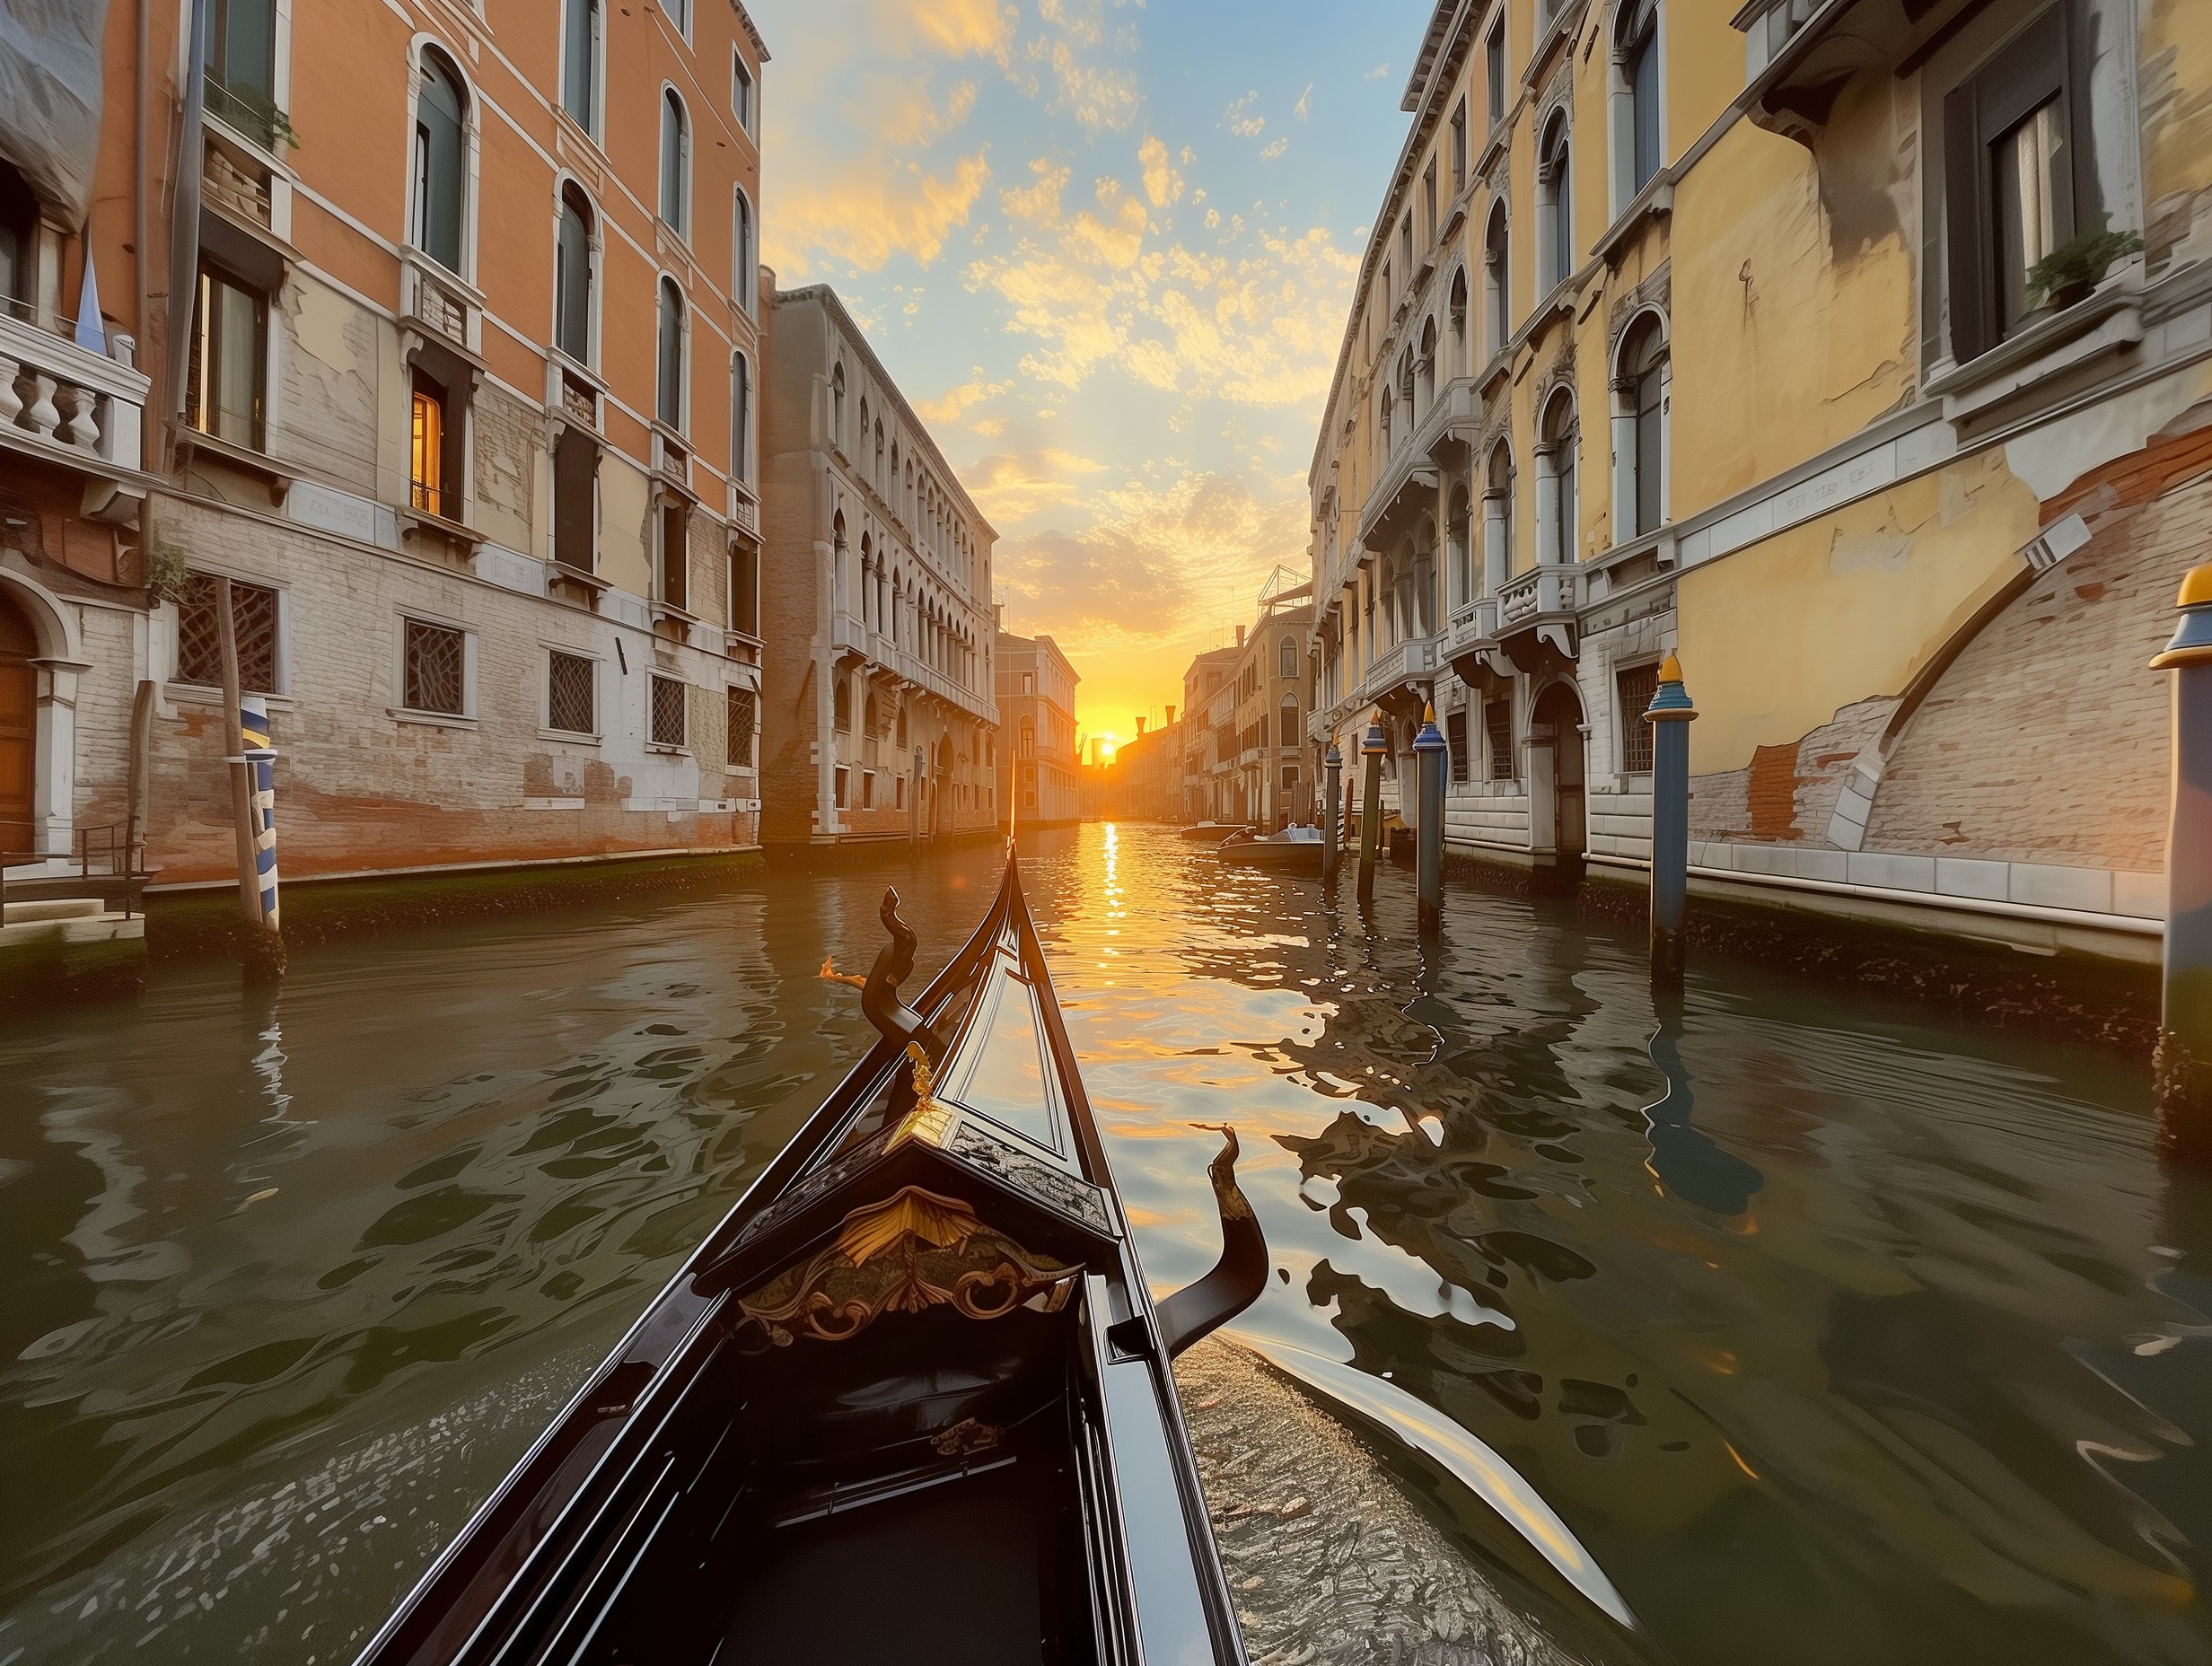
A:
x: 1140, y: 726
x: 1239, y: 635
x: 1170, y: 716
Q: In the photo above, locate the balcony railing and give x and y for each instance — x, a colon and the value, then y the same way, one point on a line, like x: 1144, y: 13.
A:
x: 252, y: 114
x: 1545, y: 591
x: 1400, y: 664
x: 1474, y: 622
x: 62, y: 401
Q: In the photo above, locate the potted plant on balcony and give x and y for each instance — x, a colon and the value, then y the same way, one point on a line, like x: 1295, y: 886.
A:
x: 2064, y: 276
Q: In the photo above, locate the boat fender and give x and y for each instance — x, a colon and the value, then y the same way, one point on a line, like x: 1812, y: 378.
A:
x: 1238, y: 1278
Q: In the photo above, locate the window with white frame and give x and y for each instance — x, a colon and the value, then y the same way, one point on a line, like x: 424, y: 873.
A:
x: 675, y: 163
x: 441, y: 161
x: 434, y: 668
x: 742, y: 91
x: 744, y: 270
x: 1634, y: 688
x: 571, y: 698
x: 1555, y: 207
x: 580, y: 39
x: 254, y: 629
x: 1638, y: 142
x: 740, y: 418
x: 572, y: 274
x: 668, y: 398
x: 1640, y: 392
x: 1556, y: 533
x: 670, y: 700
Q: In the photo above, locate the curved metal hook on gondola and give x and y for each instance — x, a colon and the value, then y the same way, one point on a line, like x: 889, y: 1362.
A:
x: 878, y: 990
x: 1238, y: 1278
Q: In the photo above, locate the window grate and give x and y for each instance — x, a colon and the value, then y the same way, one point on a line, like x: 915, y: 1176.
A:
x: 743, y: 724
x: 1498, y: 730
x: 434, y: 656
x: 568, y: 702
x: 199, y: 638
x: 1455, y: 739
x: 667, y: 717
x: 1637, y: 685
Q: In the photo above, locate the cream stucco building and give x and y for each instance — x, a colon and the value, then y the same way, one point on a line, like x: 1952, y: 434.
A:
x: 1686, y: 327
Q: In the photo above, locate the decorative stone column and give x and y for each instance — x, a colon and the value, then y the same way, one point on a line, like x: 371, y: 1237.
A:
x: 2183, y: 1061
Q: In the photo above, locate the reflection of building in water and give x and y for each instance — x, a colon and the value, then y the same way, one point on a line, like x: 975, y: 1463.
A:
x: 1913, y: 506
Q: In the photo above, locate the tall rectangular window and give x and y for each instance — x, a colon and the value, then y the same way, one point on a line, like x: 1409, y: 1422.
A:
x: 741, y: 91
x: 434, y: 669
x: 745, y: 590
x: 2009, y: 179
x: 665, y: 724
x: 1493, y: 54
x: 570, y: 704
x: 575, y: 501
x: 1429, y: 204
x: 440, y: 166
x: 675, y: 562
x: 1634, y: 690
x: 1497, y: 734
x: 580, y: 61
x: 743, y: 726
x: 241, y: 67
x: 741, y: 418
x: 427, y: 448
x: 571, y: 277
x: 226, y: 377
x: 1458, y: 147
x: 1455, y: 740
x: 199, y: 635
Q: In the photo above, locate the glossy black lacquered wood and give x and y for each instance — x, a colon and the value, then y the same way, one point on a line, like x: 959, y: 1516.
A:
x: 976, y: 1477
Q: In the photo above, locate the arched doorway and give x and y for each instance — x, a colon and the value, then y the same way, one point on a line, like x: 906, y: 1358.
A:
x: 1557, y: 807
x: 19, y: 731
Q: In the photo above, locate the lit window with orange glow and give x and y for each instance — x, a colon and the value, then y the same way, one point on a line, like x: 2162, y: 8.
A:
x: 427, y: 450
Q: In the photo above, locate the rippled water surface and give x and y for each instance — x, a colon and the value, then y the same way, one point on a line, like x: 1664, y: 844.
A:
x: 1835, y: 1336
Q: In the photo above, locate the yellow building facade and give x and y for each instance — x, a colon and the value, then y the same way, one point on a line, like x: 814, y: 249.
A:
x: 1697, y: 328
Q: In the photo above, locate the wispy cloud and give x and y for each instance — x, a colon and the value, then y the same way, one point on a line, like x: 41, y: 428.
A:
x: 1242, y: 119
x: 1273, y: 148
x: 1010, y: 486
x: 956, y: 403
x: 1377, y: 72
x: 1163, y: 184
x: 1305, y: 105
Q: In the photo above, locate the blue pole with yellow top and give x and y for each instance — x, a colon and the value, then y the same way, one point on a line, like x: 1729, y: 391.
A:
x: 1428, y: 751
x: 1332, y: 768
x: 1670, y: 714
x: 2183, y: 1061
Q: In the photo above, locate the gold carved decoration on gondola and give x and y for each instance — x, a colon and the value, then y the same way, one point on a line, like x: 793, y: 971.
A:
x: 913, y: 1251
x: 928, y: 1121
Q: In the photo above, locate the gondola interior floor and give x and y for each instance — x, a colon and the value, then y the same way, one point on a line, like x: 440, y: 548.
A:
x: 949, y: 1576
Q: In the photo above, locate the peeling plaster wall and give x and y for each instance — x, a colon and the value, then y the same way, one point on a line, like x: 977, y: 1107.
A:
x: 1780, y: 637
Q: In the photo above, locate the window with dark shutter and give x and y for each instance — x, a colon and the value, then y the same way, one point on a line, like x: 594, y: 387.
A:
x: 575, y: 500
x: 2010, y: 162
x: 1455, y: 742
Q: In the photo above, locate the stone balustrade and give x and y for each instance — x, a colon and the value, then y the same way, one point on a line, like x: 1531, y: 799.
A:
x: 60, y: 399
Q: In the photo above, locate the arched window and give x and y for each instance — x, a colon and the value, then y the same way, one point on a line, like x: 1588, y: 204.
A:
x: 837, y: 406
x: 1555, y: 207
x: 1460, y: 561
x: 440, y: 161
x: 1556, y: 534
x: 1495, y: 251
x: 668, y: 403
x: 740, y: 418
x: 875, y: 715
x: 879, y: 453
x: 744, y: 271
x: 1428, y: 368
x: 1636, y: 96
x: 1458, y: 316
x: 1640, y: 428
x: 1498, y: 518
x: 675, y: 165
x: 572, y: 275
x: 1384, y: 416
x: 1286, y: 722
x: 842, y: 706
x: 1287, y: 657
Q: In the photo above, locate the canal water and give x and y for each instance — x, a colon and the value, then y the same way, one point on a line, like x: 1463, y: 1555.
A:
x: 1834, y: 1336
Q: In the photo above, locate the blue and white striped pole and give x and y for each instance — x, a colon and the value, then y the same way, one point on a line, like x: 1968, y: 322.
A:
x: 260, y: 760
x: 1670, y: 714
x: 2183, y: 1063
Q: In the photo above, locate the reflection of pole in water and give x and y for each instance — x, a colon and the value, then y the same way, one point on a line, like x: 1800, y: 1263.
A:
x: 1683, y: 1159
x: 268, y: 1064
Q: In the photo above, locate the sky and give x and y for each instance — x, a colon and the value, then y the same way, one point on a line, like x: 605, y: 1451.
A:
x: 1106, y: 249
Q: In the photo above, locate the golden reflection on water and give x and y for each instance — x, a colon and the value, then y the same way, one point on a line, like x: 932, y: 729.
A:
x: 1842, y: 1337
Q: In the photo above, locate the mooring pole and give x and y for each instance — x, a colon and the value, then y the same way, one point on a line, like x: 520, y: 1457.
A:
x: 242, y: 791
x: 1332, y: 767
x: 1670, y: 714
x: 1371, y: 805
x: 2183, y: 1061
x: 261, y: 768
x: 1429, y: 752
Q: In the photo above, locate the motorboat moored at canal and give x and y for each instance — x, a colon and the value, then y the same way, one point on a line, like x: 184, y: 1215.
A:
x: 1214, y: 831
x: 1293, y: 850
x: 911, y: 1398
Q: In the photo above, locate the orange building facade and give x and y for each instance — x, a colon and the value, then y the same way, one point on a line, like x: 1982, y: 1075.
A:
x: 435, y: 329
